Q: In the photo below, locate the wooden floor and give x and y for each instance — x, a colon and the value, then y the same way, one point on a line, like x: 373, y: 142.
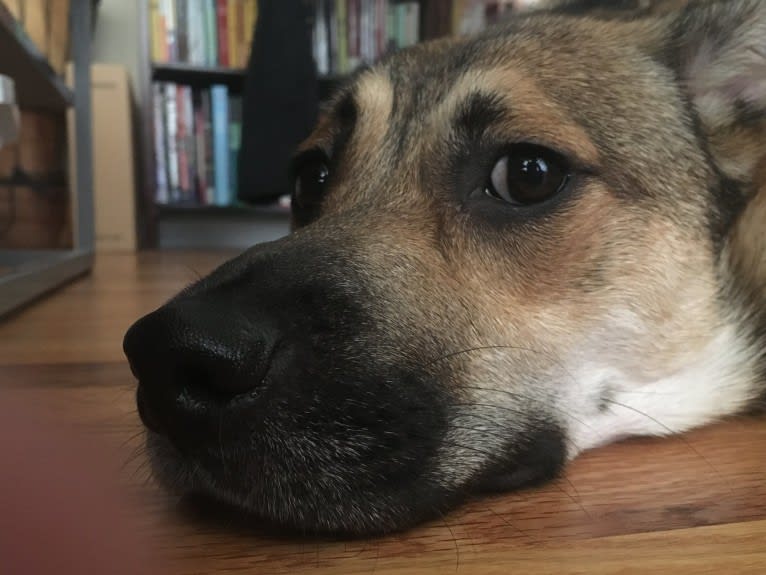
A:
x: 693, y: 504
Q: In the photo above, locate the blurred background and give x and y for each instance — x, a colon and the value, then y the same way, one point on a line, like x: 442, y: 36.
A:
x: 132, y: 117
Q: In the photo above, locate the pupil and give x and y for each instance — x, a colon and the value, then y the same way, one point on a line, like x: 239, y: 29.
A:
x: 534, y: 171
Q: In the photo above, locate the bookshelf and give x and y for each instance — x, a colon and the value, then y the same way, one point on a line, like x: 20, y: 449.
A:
x: 27, y: 274
x: 167, y: 224
x: 37, y: 85
x: 234, y: 79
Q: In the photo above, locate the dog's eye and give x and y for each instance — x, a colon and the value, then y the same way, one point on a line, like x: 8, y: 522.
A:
x: 526, y: 175
x: 310, y: 179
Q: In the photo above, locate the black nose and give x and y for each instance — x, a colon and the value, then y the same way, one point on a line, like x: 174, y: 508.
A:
x: 199, y: 349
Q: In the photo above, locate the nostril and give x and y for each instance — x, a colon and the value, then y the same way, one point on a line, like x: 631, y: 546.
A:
x: 199, y: 352
x: 198, y: 387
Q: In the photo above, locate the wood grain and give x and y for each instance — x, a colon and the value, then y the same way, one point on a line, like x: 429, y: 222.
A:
x: 690, y: 504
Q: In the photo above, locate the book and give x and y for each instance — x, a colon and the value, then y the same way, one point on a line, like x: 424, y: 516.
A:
x: 231, y: 32
x: 219, y: 95
x: 321, y: 48
x: 157, y: 30
x: 182, y: 30
x: 341, y: 29
x: 195, y: 33
x: 171, y: 141
x: 162, y: 193
x: 209, y: 161
x: 211, y: 33
x: 251, y: 18
x: 380, y: 28
x: 235, y: 142
x: 352, y: 31
x: 222, y: 31
x: 169, y: 11
x: 204, y: 32
x: 189, y: 144
x: 182, y: 159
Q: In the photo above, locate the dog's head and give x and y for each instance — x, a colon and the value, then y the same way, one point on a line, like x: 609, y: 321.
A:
x: 507, y: 249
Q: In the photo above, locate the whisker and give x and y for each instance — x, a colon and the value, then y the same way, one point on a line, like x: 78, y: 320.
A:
x: 519, y: 412
x: 197, y: 275
x: 478, y: 348
x: 454, y: 539
x: 518, y: 395
x: 524, y: 532
x: 670, y: 431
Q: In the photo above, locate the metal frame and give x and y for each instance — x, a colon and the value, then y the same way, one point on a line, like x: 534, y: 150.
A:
x: 34, y: 273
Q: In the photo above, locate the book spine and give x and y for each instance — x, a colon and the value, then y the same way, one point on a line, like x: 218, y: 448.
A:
x: 171, y: 129
x: 211, y: 37
x: 363, y: 26
x: 332, y: 27
x: 196, y: 36
x: 168, y: 18
x: 414, y: 26
x: 220, y: 102
x: 209, y: 164
x: 190, y: 143
x: 223, y: 33
x: 352, y: 31
x: 182, y: 158
x: 231, y: 32
x: 390, y: 27
x: 200, y: 185
x: 242, y: 34
x: 182, y: 30
x: 250, y: 18
x: 320, y: 39
x: 341, y: 30
x: 162, y: 195
x: 369, y: 31
x: 155, y: 25
x: 235, y: 142
x: 380, y: 28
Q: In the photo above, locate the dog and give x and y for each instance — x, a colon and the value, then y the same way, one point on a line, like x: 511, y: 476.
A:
x: 617, y: 8
x: 507, y: 249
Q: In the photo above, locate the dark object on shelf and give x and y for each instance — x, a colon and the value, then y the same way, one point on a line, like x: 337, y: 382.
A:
x: 199, y: 76
x: 281, y: 98
x: 232, y: 78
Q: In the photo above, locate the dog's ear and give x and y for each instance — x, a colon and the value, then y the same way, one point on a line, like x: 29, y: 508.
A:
x: 718, y: 50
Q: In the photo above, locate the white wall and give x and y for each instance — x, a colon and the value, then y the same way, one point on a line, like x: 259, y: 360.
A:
x: 117, y: 39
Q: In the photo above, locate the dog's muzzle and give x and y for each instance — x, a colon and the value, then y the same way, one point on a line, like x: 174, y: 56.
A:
x: 271, y: 384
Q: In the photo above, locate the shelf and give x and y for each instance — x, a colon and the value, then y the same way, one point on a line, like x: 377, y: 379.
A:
x: 37, y: 85
x: 239, y: 211
x: 198, y: 75
x: 25, y: 275
x: 234, y: 78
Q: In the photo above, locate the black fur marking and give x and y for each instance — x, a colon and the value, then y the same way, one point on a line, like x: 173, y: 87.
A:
x: 347, y: 113
x: 336, y: 439
x: 539, y: 458
x: 745, y: 113
x: 477, y: 114
x: 584, y: 7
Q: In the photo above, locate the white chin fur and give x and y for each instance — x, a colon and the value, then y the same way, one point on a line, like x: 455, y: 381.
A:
x: 719, y: 381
